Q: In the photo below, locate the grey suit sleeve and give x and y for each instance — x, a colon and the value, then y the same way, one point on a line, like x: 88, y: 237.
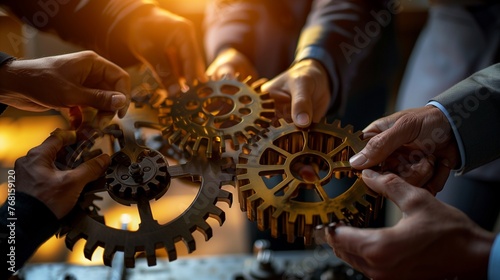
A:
x: 340, y: 34
x: 474, y: 108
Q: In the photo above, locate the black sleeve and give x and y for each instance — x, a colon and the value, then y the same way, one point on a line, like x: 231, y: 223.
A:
x: 4, y: 58
x: 26, y: 223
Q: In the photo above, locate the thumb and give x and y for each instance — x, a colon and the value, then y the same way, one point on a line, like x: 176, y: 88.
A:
x: 91, y: 170
x: 102, y: 100
x: 390, y: 185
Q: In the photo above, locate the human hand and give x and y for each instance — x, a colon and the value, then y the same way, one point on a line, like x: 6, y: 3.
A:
x: 403, y: 139
x: 59, y: 190
x: 167, y: 44
x: 230, y: 63
x: 63, y: 81
x: 305, y: 88
x: 432, y: 241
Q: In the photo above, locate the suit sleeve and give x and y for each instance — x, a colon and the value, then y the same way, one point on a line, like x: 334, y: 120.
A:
x: 94, y: 24
x: 339, y: 34
x: 473, y: 108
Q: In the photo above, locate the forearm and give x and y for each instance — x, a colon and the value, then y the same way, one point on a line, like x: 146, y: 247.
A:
x: 96, y: 25
x: 231, y: 25
x: 4, y: 60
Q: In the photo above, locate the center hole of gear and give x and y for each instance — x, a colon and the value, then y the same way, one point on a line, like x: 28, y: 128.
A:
x: 309, y: 168
x: 218, y: 106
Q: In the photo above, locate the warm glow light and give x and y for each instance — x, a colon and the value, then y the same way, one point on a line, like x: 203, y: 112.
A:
x: 125, y: 219
x: 18, y: 136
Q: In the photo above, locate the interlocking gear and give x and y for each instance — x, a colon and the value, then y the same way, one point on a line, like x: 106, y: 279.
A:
x: 213, y: 112
x: 136, y: 175
x: 289, y: 180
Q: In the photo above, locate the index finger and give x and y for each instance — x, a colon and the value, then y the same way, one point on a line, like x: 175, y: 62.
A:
x: 380, y: 146
x: 54, y: 143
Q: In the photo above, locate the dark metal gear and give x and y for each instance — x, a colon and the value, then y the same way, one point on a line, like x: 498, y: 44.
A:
x: 137, y: 175
x: 211, y: 113
x: 289, y: 180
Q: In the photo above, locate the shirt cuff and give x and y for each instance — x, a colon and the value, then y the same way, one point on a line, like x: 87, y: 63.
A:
x: 493, y: 265
x: 460, y: 143
x: 5, y: 58
x: 319, y: 54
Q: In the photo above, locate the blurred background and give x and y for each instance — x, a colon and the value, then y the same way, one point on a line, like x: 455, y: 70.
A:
x: 20, y: 131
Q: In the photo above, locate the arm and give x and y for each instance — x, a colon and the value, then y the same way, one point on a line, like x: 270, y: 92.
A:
x: 473, y: 108
x: 49, y: 192
x: 123, y: 31
x: 458, y: 131
x: 326, y: 59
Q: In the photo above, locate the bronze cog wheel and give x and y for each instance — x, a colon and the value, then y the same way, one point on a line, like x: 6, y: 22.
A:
x: 288, y: 180
x: 211, y: 113
x: 137, y: 175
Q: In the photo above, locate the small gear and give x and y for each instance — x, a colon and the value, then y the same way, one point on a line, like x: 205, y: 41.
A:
x: 137, y: 175
x: 211, y: 113
x: 289, y: 180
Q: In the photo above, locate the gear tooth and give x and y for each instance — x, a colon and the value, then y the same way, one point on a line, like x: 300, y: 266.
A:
x: 293, y: 217
x: 324, y: 218
x: 218, y: 214
x: 205, y: 228
x: 352, y: 209
x: 225, y: 196
x: 89, y: 248
x: 176, y: 135
x: 349, y: 128
x: 170, y: 249
x: 129, y: 257
x: 184, y: 141
x: 283, y: 122
x: 190, y: 242
x: 339, y: 215
x: 150, y: 254
x: 336, y: 123
x: 71, y: 238
x: 107, y: 256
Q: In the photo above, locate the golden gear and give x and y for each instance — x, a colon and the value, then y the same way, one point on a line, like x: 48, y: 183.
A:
x: 287, y: 180
x: 213, y: 112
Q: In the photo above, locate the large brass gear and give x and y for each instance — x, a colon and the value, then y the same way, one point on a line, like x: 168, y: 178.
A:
x: 136, y: 175
x: 286, y: 180
x: 211, y: 113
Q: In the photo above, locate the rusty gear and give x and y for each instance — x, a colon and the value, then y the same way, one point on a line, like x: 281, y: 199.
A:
x: 136, y: 175
x: 286, y: 179
x: 213, y: 112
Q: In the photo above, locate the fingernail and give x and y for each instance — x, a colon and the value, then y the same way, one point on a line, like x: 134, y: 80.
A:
x: 368, y: 173
x: 358, y: 159
x: 118, y: 101
x: 302, y: 119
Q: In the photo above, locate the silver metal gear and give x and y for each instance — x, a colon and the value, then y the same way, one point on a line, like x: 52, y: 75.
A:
x: 86, y: 222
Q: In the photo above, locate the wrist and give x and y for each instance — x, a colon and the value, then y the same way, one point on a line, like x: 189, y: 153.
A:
x: 7, y: 76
